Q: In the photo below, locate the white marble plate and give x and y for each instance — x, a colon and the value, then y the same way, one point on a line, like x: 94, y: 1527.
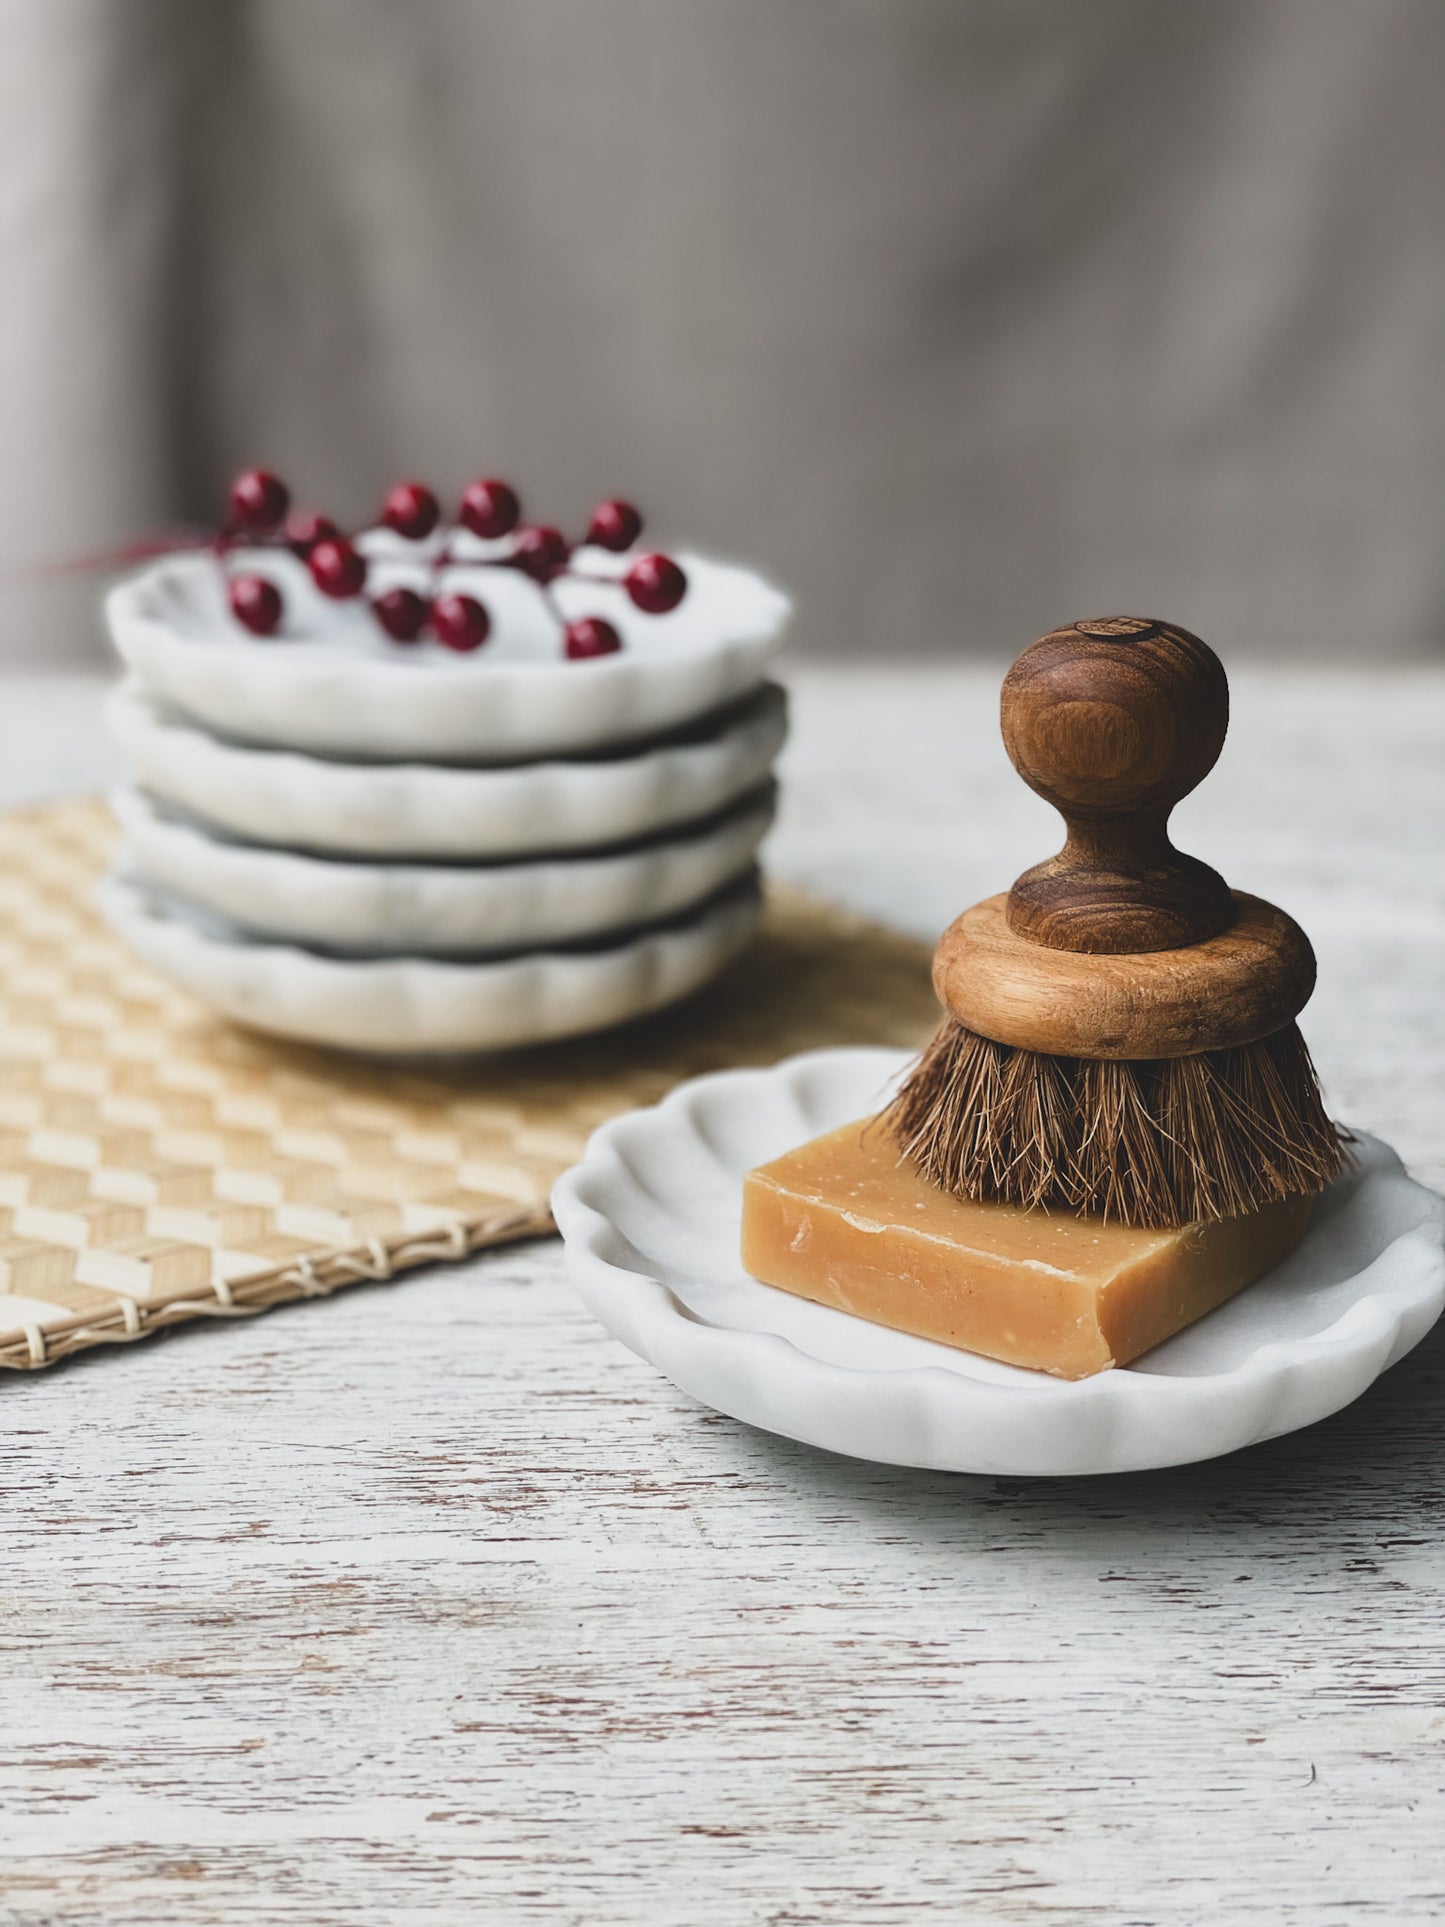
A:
x: 432, y: 810
x: 438, y: 909
x: 407, y: 1006
x: 651, y: 1219
x: 334, y: 685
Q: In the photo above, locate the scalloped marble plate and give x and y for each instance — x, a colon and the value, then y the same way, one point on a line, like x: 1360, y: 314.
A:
x: 409, y: 1006
x: 334, y: 685
x: 425, y: 810
x: 651, y: 1219
x: 438, y: 910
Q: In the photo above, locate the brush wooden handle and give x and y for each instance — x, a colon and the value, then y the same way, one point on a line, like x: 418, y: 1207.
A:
x: 1112, y: 721
x: 1244, y: 984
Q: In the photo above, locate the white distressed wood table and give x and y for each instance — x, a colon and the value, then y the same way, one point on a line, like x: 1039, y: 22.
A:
x: 511, y: 1631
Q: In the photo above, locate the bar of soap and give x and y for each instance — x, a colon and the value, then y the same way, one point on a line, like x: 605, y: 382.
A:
x: 843, y: 1222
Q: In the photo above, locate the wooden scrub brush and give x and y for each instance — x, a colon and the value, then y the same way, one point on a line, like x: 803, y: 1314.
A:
x: 1120, y: 1032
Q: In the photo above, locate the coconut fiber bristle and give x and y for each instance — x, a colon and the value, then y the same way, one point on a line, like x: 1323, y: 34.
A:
x: 1165, y: 1141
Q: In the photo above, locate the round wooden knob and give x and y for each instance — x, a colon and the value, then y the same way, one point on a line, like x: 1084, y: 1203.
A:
x: 1112, y: 721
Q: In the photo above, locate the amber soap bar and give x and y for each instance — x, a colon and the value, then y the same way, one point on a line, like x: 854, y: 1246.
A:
x: 843, y: 1222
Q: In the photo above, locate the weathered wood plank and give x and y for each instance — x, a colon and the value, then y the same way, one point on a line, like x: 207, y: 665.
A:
x: 293, y: 1631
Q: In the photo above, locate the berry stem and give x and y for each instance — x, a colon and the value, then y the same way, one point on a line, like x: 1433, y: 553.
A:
x: 553, y: 605
x: 144, y: 548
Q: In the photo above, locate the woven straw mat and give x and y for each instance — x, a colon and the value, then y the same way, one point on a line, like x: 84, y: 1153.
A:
x: 157, y: 1163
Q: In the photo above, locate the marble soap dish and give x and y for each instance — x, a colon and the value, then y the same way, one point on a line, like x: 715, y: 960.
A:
x: 441, y: 909
x: 651, y: 1221
x: 338, y: 687
x: 423, y: 810
x: 424, y: 1006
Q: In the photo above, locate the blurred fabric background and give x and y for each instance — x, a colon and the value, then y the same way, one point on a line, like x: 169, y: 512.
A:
x: 961, y: 317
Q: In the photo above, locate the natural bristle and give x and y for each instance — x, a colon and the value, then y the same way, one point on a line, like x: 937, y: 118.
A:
x: 1169, y: 1141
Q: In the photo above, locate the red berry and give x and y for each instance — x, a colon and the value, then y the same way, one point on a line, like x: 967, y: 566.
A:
x: 337, y: 568
x: 489, y: 509
x: 255, y: 603
x: 306, y: 528
x: 460, y: 622
x: 591, y: 637
x: 614, y: 525
x: 412, y: 510
x: 259, y: 499
x: 541, y: 552
x: 656, y: 584
x: 402, y: 613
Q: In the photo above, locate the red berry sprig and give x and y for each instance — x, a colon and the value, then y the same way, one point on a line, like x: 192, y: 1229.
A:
x: 656, y: 584
x: 460, y: 622
x: 305, y: 530
x: 255, y: 603
x: 489, y: 509
x: 338, y: 568
x: 541, y: 553
x: 402, y: 613
x: 614, y: 525
x: 412, y: 510
x: 592, y: 636
x: 260, y: 515
x: 259, y: 500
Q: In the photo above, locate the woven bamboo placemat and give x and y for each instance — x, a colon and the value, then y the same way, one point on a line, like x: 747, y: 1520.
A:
x: 158, y: 1164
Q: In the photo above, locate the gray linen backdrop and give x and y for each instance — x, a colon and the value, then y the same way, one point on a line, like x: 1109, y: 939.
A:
x: 960, y: 316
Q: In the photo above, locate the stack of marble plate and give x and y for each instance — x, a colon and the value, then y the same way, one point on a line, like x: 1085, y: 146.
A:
x: 398, y: 849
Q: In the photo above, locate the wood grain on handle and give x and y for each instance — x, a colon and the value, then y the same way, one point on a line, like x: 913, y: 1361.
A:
x: 1113, y: 721
x: 1239, y: 986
